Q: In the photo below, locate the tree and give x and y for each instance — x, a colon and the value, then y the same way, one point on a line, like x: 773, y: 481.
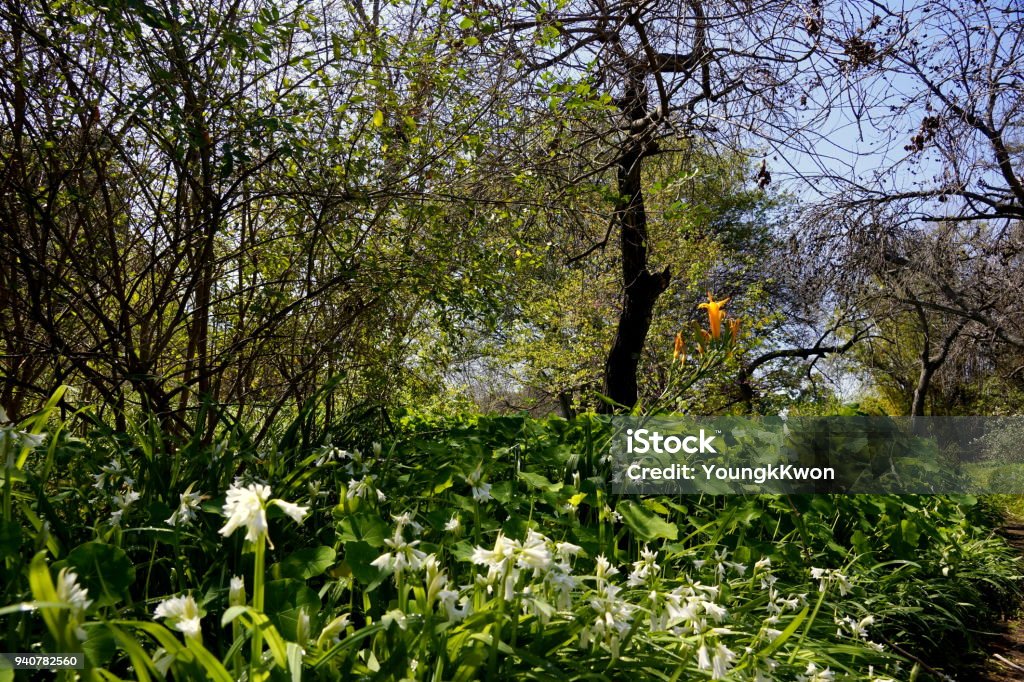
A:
x: 228, y: 203
x: 933, y: 232
x: 713, y: 227
x: 627, y: 82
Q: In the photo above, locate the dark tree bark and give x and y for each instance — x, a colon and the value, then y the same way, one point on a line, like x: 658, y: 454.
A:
x: 641, y: 288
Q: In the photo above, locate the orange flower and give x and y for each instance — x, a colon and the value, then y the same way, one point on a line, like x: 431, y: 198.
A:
x: 715, y: 314
x: 734, y: 328
x: 678, y: 350
x: 707, y: 341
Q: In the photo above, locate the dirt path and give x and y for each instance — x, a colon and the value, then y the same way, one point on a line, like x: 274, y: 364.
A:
x: 1006, y: 649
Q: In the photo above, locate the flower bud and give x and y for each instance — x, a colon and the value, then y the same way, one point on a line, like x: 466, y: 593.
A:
x: 236, y: 593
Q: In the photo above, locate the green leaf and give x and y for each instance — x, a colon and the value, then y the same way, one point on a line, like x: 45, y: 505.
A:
x: 10, y: 538
x: 41, y: 584
x: 645, y: 524
x: 307, y: 563
x: 294, y: 656
x: 103, y: 569
x: 99, y: 645
x: 378, y: 118
x: 285, y: 600
x: 358, y: 556
x: 911, y: 533
x: 365, y: 527
x: 539, y: 482
x: 466, y: 23
x: 214, y: 668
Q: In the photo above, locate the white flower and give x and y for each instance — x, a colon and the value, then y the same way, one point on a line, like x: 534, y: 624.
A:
x: 453, y: 524
x: 293, y: 511
x: 534, y: 552
x: 613, y: 618
x: 603, y: 569
x: 236, y: 592
x: 481, y: 491
x: 394, y: 616
x: 645, y: 568
x: 314, y: 488
x: 328, y: 453
x: 406, y: 519
x: 448, y: 599
x: 721, y: 662
x: 564, y: 550
x: 494, y: 558
x: 127, y: 498
x: 245, y: 507
x: 828, y: 575
x: 187, y: 507
x: 113, y: 469
x: 435, y: 579
x: 499, y: 564
x: 715, y: 610
x: 363, y: 487
x: 703, y: 660
x: 404, y: 556
x: 844, y: 583
x: 332, y: 630
x: 70, y: 592
x: 856, y: 629
x: 812, y: 674
x: 31, y: 440
x: 123, y: 501
x: 181, y: 613
x: 76, y: 597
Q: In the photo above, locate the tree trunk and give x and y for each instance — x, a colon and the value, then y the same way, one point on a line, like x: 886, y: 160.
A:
x: 924, y: 380
x: 640, y: 288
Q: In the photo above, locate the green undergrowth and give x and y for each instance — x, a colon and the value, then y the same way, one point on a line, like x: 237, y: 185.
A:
x: 474, y: 548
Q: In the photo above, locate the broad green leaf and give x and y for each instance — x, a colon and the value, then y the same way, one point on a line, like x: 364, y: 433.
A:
x: 539, y: 482
x: 365, y: 527
x: 647, y: 525
x: 358, y: 556
x: 104, y: 569
x: 285, y: 600
x: 307, y: 563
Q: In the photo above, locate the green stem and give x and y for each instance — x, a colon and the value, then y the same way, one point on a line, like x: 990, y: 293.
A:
x: 476, y: 521
x: 403, y: 600
x: 8, y: 465
x: 257, y: 603
x: 236, y: 661
x: 496, y: 629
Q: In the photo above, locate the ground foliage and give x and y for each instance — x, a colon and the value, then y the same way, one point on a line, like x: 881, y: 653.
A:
x: 467, y: 548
